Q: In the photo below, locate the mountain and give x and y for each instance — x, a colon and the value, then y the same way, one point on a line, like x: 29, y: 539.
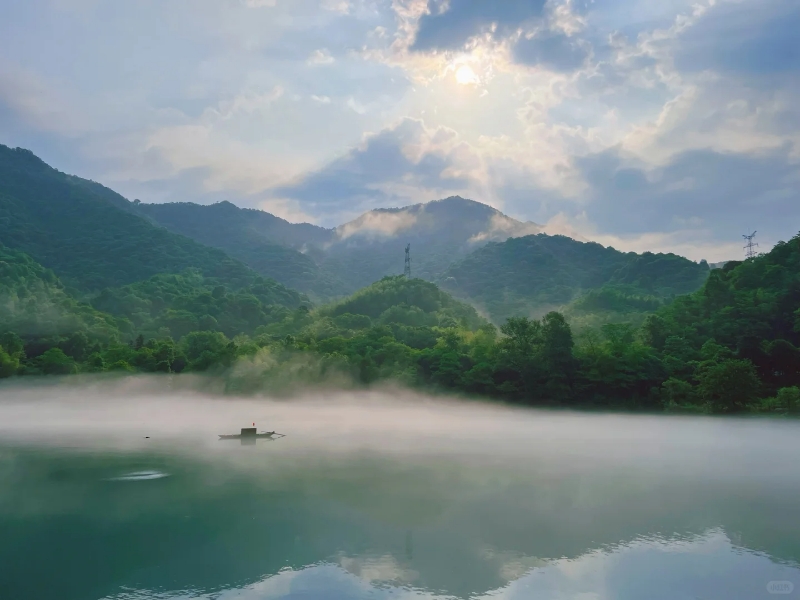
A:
x: 439, y: 232
x: 87, y: 235
x: 268, y: 244
x: 537, y: 273
x: 194, y: 220
x: 331, y: 263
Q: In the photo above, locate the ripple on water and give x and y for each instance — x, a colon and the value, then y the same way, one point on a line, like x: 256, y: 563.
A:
x: 140, y: 476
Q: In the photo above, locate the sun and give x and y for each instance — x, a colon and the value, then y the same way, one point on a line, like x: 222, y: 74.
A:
x: 465, y: 75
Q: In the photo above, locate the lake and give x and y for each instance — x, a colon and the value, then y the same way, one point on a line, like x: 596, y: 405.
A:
x: 123, y: 491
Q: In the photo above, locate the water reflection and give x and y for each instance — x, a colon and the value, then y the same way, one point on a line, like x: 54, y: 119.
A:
x: 302, y: 519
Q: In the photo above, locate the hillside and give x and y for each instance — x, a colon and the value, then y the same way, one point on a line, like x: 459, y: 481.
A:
x: 531, y: 275
x: 34, y: 303
x: 82, y: 231
x: 736, y: 338
x: 329, y: 263
x: 267, y: 244
x: 439, y: 232
x: 173, y: 305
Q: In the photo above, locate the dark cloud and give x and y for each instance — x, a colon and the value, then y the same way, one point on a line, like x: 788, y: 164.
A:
x: 728, y: 192
x: 465, y: 18
x: 759, y: 38
x: 554, y: 51
x: 356, y: 179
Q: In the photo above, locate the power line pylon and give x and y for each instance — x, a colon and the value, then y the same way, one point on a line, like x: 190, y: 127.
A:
x: 748, y: 248
x: 407, y: 270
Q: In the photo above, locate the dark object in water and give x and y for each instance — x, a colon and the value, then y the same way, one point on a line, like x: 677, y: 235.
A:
x: 250, y: 433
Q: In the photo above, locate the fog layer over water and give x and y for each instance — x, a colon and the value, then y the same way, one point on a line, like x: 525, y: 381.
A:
x: 123, y: 490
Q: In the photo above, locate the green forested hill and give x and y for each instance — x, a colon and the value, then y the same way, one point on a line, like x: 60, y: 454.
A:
x: 175, y: 304
x: 395, y: 299
x: 45, y: 330
x: 329, y: 263
x: 78, y: 230
x: 739, y: 334
x: 536, y: 273
x: 440, y: 232
x: 264, y: 242
x: 34, y: 303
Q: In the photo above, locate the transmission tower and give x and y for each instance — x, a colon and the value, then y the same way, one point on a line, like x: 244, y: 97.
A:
x: 749, y: 252
x: 407, y: 270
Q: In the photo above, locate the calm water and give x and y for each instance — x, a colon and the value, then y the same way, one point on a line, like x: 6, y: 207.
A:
x: 386, y: 497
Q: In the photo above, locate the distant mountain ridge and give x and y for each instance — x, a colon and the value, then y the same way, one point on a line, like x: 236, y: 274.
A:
x: 268, y: 244
x: 530, y: 275
x: 328, y: 263
x: 80, y: 230
x: 94, y: 239
x: 439, y: 232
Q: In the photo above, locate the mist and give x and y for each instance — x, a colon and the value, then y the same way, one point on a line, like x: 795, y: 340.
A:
x: 143, y: 413
x: 384, y: 486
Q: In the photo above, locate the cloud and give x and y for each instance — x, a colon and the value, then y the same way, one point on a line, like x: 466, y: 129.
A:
x: 321, y: 57
x: 356, y: 106
x: 728, y: 193
x: 502, y: 227
x: 38, y: 102
x: 757, y: 43
x: 555, y: 51
x: 637, y: 120
x: 260, y: 3
x: 449, y: 25
x: 404, y: 163
x: 378, y: 222
x: 339, y: 6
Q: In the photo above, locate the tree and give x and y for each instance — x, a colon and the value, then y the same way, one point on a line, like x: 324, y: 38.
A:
x: 55, y: 362
x: 8, y: 364
x: 557, y: 346
x: 729, y: 385
x: 206, y: 348
x: 676, y: 393
x: 789, y: 398
x: 13, y: 345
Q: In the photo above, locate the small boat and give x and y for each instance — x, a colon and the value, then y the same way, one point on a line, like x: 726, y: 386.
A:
x: 250, y: 433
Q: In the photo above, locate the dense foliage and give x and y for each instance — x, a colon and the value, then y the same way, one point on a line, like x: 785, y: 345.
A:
x: 267, y: 244
x: 33, y: 301
x: 174, y: 305
x: 537, y: 273
x: 74, y: 228
x: 731, y: 346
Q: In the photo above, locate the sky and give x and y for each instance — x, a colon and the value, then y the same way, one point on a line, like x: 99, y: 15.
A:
x: 662, y: 125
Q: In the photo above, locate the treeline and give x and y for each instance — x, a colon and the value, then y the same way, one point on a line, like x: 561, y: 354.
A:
x: 536, y: 273
x: 730, y: 347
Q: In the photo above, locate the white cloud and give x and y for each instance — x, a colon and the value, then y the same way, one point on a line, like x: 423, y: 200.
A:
x: 39, y: 103
x: 690, y: 241
x: 321, y: 99
x: 339, y: 6
x: 260, y: 3
x: 378, y: 569
x: 502, y: 227
x: 356, y: 106
x: 380, y: 223
x: 320, y: 57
